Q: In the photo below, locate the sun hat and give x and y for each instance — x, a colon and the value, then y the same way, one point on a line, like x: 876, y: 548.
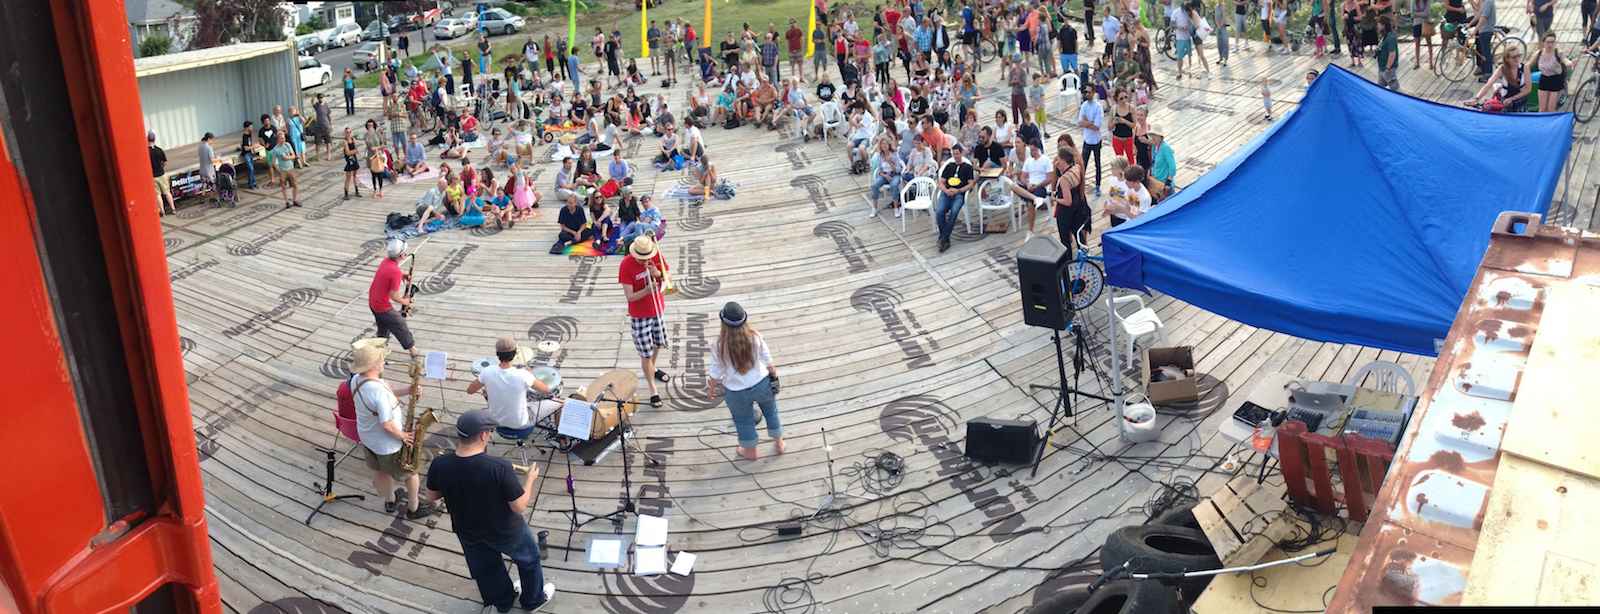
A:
x: 733, y: 314
x: 643, y: 248
x: 363, y: 359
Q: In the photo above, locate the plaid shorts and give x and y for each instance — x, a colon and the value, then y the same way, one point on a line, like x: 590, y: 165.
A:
x: 648, y: 334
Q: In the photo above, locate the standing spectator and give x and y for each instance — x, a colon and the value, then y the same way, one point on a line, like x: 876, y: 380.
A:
x: 1421, y: 31
x: 405, y: 45
x: 352, y: 163
x: 158, y: 166
x: 322, y: 127
x: 652, y: 37
x: 247, y: 153
x: 769, y: 57
x: 1221, y: 23
x: 1388, y: 62
x: 286, y: 159
x: 1092, y: 119
x: 297, y: 136
x: 268, y: 135
x: 349, y: 93
x: 820, y: 51
x: 955, y: 180
x: 1544, y: 11
x: 1067, y: 41
x: 396, y: 117
x: 1071, y: 206
x: 612, y: 47
x: 486, y: 506
x: 643, y: 275
x: 1552, y: 72
x: 1165, y: 165
x: 1483, y: 24
x: 741, y: 367
x: 208, y: 156
x: 1109, y: 30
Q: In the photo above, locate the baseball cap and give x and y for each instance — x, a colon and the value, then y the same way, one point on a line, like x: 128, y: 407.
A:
x: 474, y: 422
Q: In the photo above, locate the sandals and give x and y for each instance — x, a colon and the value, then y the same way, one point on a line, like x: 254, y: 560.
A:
x: 661, y: 376
x: 655, y: 400
x: 389, y: 506
x: 424, y: 510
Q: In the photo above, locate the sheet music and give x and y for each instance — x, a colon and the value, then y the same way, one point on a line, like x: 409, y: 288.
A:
x: 434, y: 366
x: 576, y: 419
x: 650, y: 561
x: 683, y: 564
x: 605, y: 551
x: 651, y: 531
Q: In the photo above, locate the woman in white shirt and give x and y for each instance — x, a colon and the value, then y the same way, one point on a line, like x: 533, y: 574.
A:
x: 742, y: 366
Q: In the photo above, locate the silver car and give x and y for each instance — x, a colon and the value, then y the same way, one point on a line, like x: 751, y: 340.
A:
x: 501, y: 21
x: 450, y: 28
x: 370, y: 56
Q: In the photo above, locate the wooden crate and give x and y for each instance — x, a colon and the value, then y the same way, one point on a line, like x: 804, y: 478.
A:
x: 1244, y: 519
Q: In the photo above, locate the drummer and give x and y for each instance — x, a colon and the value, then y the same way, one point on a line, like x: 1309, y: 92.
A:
x: 507, y: 388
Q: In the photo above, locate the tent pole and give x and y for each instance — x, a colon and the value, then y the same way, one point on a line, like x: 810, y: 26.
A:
x: 1111, y: 328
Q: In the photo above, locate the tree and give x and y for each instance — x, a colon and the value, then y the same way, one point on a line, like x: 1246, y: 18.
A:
x: 222, y: 22
x: 154, y: 44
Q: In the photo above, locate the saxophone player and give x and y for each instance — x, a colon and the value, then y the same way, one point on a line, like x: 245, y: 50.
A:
x: 378, y: 422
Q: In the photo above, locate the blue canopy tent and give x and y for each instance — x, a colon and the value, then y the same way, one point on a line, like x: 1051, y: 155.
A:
x: 1358, y: 218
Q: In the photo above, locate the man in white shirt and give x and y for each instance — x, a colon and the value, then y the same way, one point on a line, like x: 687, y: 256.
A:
x: 1091, y: 117
x: 507, y: 388
x: 378, y: 424
x: 1032, y: 184
x: 1109, y: 29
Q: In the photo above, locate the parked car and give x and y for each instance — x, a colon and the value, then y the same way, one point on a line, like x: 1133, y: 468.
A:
x: 308, y: 44
x: 501, y: 21
x: 371, y: 55
x: 450, y: 28
x: 376, y: 31
x: 469, y: 17
x: 314, y: 73
x: 342, y: 36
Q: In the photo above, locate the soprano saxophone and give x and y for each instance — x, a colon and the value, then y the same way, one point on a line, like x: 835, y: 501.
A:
x: 411, y: 457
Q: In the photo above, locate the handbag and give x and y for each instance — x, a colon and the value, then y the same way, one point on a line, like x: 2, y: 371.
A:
x: 1427, y: 29
x: 1204, y: 30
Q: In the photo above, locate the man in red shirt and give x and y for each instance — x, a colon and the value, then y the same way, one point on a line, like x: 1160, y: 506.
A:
x: 643, y: 275
x: 387, y: 290
x: 797, y: 49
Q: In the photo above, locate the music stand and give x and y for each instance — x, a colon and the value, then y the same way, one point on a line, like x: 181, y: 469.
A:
x: 627, y: 507
x: 328, y: 495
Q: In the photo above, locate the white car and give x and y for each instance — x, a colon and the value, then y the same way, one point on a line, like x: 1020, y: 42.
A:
x: 342, y: 36
x: 314, y: 73
x: 469, y: 17
x: 450, y: 28
x: 501, y: 21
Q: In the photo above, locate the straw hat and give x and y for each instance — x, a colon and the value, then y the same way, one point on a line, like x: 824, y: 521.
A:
x: 643, y: 248
x: 363, y: 359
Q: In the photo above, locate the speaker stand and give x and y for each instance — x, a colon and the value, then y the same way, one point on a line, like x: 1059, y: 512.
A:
x: 1063, y: 395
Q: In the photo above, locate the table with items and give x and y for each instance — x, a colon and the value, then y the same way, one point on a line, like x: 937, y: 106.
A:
x: 1326, y: 408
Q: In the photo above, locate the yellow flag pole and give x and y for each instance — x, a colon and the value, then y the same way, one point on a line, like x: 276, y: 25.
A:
x: 644, y: 25
x: 705, y: 35
x: 811, y: 30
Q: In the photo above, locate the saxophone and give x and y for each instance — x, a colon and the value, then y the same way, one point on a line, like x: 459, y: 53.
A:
x: 411, y: 458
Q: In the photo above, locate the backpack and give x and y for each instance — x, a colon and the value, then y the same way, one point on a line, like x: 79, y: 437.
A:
x: 858, y: 167
x: 345, y: 407
x: 398, y: 221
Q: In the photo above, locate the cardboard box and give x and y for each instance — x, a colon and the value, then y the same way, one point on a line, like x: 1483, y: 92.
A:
x: 1177, y: 391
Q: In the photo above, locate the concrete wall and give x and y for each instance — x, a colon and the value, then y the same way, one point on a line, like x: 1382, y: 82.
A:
x: 185, y: 104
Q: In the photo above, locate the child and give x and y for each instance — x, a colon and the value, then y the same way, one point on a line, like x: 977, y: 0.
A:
x: 1036, y: 100
x: 1266, y: 98
x: 522, y: 196
x: 1141, y: 92
x: 1322, y: 40
x: 499, y: 206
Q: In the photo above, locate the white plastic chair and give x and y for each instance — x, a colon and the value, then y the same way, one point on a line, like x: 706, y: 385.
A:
x: 832, y: 119
x: 917, y: 195
x: 1386, y: 377
x: 1132, y: 325
x: 996, y: 195
x: 1071, y: 93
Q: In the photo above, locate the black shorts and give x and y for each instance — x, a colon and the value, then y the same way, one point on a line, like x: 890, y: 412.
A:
x: 391, y: 322
x: 1416, y: 30
x: 1070, y: 219
x: 1553, y: 83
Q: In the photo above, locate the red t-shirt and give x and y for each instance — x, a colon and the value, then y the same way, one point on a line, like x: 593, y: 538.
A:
x: 632, y: 274
x: 384, y: 283
x: 893, y: 17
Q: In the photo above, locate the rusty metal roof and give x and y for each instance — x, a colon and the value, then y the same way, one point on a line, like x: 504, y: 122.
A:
x: 1417, y: 547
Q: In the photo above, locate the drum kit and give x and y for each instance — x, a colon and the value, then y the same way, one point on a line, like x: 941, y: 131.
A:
x: 608, y: 397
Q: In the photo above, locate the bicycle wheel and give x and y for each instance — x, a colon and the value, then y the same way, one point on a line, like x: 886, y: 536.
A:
x: 1587, y: 100
x: 1168, y: 44
x: 1085, y: 282
x: 987, y: 50
x: 1457, y: 63
x: 1509, y: 43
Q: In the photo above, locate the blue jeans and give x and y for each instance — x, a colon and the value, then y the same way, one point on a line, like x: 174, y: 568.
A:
x: 1069, y: 62
x: 249, y: 168
x: 946, y: 211
x: 494, y: 584
x: 742, y: 406
x: 879, y: 182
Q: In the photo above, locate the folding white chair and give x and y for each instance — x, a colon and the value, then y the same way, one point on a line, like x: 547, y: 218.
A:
x: 917, y: 195
x: 832, y: 119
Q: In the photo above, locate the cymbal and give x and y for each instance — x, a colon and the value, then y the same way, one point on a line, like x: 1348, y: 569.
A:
x: 549, y: 346
x: 622, y: 383
x: 524, y: 355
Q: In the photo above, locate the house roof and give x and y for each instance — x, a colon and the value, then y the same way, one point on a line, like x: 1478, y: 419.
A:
x: 154, y: 11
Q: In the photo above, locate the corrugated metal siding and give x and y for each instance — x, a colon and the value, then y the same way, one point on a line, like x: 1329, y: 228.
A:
x: 181, y: 106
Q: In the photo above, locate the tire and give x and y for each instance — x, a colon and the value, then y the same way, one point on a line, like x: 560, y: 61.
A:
x: 1181, y: 517
x: 1457, y: 63
x: 326, y: 79
x: 987, y: 51
x: 1063, y: 602
x: 1168, y: 46
x: 508, y: 30
x: 1085, y: 282
x: 1160, y: 548
x: 1586, y: 100
x: 1131, y: 597
x: 1509, y: 42
x: 549, y: 138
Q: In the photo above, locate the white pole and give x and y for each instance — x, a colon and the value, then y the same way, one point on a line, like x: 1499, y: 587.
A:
x: 1111, y: 345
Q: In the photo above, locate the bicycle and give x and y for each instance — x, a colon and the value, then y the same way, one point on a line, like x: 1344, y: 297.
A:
x: 1086, y: 276
x: 1586, y: 100
x: 1458, y: 55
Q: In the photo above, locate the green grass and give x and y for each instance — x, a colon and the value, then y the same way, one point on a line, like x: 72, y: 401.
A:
x: 727, y: 16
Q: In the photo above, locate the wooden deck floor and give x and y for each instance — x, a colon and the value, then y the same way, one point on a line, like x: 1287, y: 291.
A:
x: 269, y: 300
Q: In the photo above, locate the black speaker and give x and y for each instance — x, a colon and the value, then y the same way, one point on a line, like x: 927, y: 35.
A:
x: 1041, y: 269
x: 992, y: 440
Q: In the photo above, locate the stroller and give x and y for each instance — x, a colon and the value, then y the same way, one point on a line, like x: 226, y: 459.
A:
x: 226, y: 190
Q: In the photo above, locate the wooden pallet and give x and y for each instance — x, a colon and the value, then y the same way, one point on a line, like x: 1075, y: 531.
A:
x: 1244, y: 519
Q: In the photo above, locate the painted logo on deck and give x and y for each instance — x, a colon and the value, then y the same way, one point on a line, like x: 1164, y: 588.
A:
x: 916, y: 345
x: 288, y: 302
x: 851, y: 248
x: 926, y: 420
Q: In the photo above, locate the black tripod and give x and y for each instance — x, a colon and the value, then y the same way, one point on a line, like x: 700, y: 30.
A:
x: 627, y: 507
x: 326, y: 489
x: 1063, y: 392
